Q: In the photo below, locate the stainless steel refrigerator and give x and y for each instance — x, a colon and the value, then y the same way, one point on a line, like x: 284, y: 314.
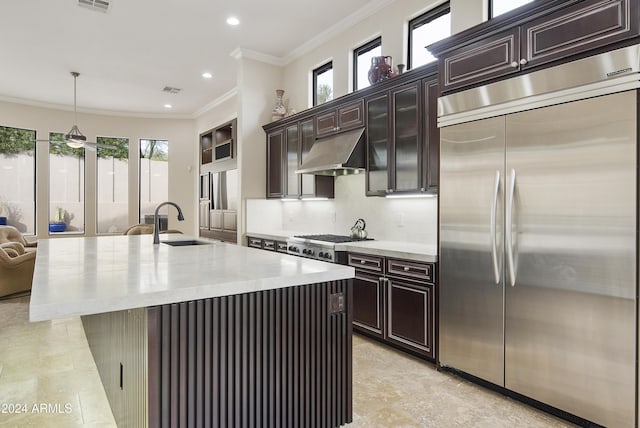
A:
x: 538, y: 235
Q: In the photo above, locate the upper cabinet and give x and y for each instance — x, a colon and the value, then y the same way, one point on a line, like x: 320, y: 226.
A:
x: 400, y: 120
x: 402, y: 139
x: 544, y: 33
x: 340, y: 119
x: 287, y: 147
x: 216, y: 144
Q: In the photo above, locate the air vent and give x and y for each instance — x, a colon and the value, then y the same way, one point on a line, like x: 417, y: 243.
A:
x: 98, y: 5
x: 171, y: 90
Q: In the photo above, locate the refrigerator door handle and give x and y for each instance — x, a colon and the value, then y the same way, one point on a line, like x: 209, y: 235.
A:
x: 509, y: 226
x: 494, y: 249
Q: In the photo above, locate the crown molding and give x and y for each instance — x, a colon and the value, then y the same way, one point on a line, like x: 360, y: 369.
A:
x: 224, y: 97
x: 238, y: 53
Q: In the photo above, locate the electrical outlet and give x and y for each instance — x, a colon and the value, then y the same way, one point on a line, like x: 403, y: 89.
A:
x: 400, y: 219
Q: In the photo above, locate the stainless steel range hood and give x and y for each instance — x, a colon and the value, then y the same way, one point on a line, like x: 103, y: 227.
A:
x: 339, y: 154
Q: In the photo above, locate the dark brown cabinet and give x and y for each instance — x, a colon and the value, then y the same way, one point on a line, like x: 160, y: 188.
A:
x: 267, y: 244
x: 287, y: 147
x: 403, y: 139
x: 217, y: 144
x: 394, y: 301
x: 275, y: 160
x: 342, y: 118
x: 543, y: 34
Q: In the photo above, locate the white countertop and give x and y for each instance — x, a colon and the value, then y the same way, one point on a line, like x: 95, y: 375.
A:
x: 83, y: 276
x: 403, y: 250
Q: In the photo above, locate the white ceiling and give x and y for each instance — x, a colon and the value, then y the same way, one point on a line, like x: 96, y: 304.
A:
x: 126, y: 56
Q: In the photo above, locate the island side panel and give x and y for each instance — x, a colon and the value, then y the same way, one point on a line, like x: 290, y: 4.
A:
x: 251, y: 356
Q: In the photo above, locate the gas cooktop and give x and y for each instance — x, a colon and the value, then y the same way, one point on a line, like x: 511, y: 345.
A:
x: 336, y: 239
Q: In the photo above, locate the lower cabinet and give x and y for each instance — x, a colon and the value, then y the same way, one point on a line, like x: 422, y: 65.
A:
x: 394, y: 301
x: 267, y: 244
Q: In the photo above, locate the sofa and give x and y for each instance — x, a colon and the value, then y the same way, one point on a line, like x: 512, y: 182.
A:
x: 16, y: 269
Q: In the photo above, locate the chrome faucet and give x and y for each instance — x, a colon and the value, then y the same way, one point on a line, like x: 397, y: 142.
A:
x: 156, y: 220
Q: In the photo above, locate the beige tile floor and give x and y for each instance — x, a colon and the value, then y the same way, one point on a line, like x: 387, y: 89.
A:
x: 50, y: 363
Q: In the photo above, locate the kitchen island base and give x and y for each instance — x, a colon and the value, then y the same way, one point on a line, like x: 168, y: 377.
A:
x: 279, y: 357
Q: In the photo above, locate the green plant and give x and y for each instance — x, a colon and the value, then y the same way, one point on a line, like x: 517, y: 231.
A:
x: 59, y: 215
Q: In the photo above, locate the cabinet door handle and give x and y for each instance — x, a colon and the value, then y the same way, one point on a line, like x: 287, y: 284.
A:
x: 523, y: 61
x: 362, y: 262
x: 514, y: 64
x: 406, y: 268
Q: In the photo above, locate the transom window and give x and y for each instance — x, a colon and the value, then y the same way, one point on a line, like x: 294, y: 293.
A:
x: 362, y: 62
x: 323, y: 84
x: 426, y: 29
x: 498, y: 7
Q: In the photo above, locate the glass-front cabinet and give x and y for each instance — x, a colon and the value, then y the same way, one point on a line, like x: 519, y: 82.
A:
x: 394, y: 141
x: 292, y: 162
x: 406, y: 139
x: 307, y: 138
x: 377, y: 109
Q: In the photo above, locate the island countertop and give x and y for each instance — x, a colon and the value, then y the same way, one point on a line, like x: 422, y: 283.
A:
x: 84, y: 276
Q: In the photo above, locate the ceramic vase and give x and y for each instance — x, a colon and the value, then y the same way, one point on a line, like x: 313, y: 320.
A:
x: 279, y: 109
x: 380, y: 69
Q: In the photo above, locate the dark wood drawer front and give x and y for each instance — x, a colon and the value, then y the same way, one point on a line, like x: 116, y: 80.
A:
x: 584, y: 26
x: 326, y: 124
x: 410, y: 318
x: 412, y: 270
x: 494, y: 57
x: 368, y: 304
x: 366, y: 262
x: 351, y: 116
x: 268, y: 245
x: 281, y: 247
x: 255, y: 242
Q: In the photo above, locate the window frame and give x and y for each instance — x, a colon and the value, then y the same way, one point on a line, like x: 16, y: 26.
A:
x: 490, y: 7
x: 421, y: 20
x: 361, y: 50
x: 125, y: 141
x: 140, y: 158
x: 323, y: 68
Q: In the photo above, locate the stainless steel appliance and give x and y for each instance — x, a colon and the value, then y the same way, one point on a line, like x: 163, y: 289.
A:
x: 320, y: 247
x: 538, y: 235
x: 219, y: 205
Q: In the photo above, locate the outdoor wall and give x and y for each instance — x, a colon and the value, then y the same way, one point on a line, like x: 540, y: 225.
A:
x: 182, y: 168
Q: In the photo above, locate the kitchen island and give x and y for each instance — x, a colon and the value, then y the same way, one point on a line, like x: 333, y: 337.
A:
x: 205, y: 335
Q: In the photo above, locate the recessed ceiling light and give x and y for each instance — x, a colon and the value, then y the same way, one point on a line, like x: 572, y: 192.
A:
x: 207, y: 75
x: 232, y: 20
x: 168, y: 106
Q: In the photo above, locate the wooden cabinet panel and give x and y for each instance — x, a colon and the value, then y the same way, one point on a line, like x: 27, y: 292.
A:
x: 367, y: 262
x: 410, y: 315
x: 351, y: 116
x: 431, y: 136
x: 578, y: 28
x: 418, y: 271
x: 275, y: 157
x: 343, y: 118
x: 486, y: 59
x: 368, y: 304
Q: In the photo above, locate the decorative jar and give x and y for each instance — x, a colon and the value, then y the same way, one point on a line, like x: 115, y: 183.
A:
x: 381, y: 69
x: 279, y: 109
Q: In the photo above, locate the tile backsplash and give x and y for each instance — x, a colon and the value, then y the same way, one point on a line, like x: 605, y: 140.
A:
x: 410, y: 220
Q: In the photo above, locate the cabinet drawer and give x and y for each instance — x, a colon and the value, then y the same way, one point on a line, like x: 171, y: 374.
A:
x: 586, y: 25
x: 255, y: 242
x: 281, y: 247
x: 413, y: 270
x: 366, y: 262
x: 268, y: 244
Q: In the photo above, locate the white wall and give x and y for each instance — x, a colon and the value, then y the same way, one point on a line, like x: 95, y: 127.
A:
x: 182, y: 168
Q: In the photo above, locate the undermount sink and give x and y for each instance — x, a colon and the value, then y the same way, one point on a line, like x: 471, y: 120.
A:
x: 187, y: 242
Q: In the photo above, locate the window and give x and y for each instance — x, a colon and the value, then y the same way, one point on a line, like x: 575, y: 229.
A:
x: 112, y: 193
x: 362, y: 62
x: 18, y: 178
x: 323, y: 84
x: 498, y: 7
x: 154, y: 178
x: 426, y: 29
x: 66, y: 186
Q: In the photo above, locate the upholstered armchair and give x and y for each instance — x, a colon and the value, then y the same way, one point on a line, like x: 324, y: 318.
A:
x: 11, y: 234
x: 16, y: 268
x: 145, y: 229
